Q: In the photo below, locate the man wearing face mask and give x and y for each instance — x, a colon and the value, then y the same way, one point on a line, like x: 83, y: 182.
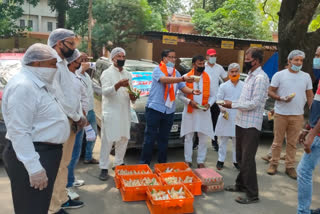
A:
x: 291, y: 88
x: 195, y: 116
x: 116, y: 114
x: 316, y: 68
x: 160, y: 108
x: 226, y: 127
x: 216, y: 73
x: 64, y: 43
x: 36, y: 127
x: 249, y: 119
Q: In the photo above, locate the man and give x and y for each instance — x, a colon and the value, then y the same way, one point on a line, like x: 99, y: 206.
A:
x: 316, y: 68
x: 291, y: 88
x: 225, y: 128
x: 160, y: 107
x: 248, y: 125
x: 216, y: 72
x: 64, y: 43
x: 195, y: 117
x: 36, y: 127
x: 116, y: 111
x: 310, y: 159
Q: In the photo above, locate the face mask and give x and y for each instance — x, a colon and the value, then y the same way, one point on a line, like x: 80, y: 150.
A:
x: 79, y: 65
x: 170, y: 64
x: 296, y: 68
x: 316, y: 63
x: 248, y: 65
x: 46, y: 75
x: 200, y: 69
x: 120, y: 63
x: 67, y: 53
x: 234, y: 79
x: 212, y: 60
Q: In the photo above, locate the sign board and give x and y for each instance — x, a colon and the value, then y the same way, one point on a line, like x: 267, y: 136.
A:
x: 170, y: 40
x: 142, y: 81
x: 256, y: 45
x: 227, y: 44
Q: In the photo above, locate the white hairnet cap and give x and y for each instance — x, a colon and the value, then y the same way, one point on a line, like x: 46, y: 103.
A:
x: 296, y: 53
x: 233, y: 65
x: 76, y: 54
x: 59, y: 34
x: 116, y: 51
x: 38, y: 52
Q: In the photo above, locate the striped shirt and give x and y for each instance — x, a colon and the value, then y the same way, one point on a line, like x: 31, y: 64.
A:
x: 252, y: 100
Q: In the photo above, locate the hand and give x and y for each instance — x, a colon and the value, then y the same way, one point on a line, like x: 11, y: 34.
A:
x: 132, y: 97
x: 196, y: 92
x: 90, y: 133
x: 85, y: 66
x: 307, y: 144
x: 39, y: 180
x: 302, y: 137
x: 222, y: 110
x: 122, y: 83
x: 188, y: 79
x: 227, y: 104
x: 286, y: 99
x: 207, y: 106
x: 194, y: 104
x: 81, y: 123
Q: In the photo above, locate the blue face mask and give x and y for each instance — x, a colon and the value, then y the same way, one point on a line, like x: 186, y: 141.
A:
x: 316, y: 63
x: 296, y: 68
x: 170, y: 64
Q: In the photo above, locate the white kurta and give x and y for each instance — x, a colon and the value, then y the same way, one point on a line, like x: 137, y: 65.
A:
x: 228, y: 91
x: 115, y: 105
x: 198, y: 120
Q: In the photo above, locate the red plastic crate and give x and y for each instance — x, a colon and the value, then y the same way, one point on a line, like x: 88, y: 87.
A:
x: 177, y: 167
x: 194, y: 187
x: 171, y: 206
x: 208, y: 176
x: 139, y: 168
x: 213, y: 188
x: 137, y: 193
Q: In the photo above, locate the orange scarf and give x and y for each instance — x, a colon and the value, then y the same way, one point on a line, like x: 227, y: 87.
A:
x: 205, y: 92
x: 164, y: 70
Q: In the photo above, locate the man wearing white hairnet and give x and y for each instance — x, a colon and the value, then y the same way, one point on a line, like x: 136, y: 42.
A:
x: 36, y: 128
x: 64, y: 43
x: 291, y: 88
x: 226, y: 128
x: 116, y: 115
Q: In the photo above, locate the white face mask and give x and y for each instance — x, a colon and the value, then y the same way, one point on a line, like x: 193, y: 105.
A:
x: 45, y: 74
x: 212, y: 60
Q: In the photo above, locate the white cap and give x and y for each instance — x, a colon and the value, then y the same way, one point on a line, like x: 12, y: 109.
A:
x: 58, y: 35
x: 38, y: 52
x: 76, y: 54
x: 116, y: 51
x: 295, y: 53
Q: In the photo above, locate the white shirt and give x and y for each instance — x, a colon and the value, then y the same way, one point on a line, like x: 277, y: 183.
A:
x: 288, y: 83
x: 31, y: 114
x: 89, y: 88
x: 216, y: 73
x: 66, y: 92
x: 82, y: 94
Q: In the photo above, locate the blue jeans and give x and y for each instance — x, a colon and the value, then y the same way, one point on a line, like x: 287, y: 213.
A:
x: 75, y: 157
x: 305, y: 169
x: 158, y: 126
x: 91, y: 117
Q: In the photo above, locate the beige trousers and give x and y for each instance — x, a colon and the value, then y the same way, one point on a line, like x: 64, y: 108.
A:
x: 60, y: 195
x: 289, y: 125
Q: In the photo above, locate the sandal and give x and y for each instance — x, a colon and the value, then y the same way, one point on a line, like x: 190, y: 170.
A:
x: 233, y: 188
x: 92, y: 161
x: 246, y: 200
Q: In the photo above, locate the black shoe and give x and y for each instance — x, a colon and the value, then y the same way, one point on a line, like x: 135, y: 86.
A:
x: 219, y: 165
x: 61, y: 211
x: 215, y: 145
x: 104, y: 175
x: 72, y: 204
x: 317, y: 211
x: 236, y: 165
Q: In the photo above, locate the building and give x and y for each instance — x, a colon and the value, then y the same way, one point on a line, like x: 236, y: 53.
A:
x: 39, y: 18
x: 180, y: 23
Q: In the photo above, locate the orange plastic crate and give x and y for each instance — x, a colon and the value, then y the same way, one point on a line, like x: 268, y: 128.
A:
x: 194, y: 187
x: 171, y: 206
x: 177, y: 167
x: 137, y: 168
x: 137, y: 193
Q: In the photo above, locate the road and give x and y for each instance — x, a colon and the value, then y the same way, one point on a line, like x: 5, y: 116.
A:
x: 278, y: 194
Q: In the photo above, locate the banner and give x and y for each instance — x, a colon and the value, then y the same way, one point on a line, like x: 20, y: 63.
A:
x: 142, y: 81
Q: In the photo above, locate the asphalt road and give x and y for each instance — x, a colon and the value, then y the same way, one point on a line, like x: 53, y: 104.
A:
x: 278, y: 194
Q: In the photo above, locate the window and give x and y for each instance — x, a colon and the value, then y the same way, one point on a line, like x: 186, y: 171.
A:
x: 49, y: 26
x: 30, y: 23
x: 22, y: 23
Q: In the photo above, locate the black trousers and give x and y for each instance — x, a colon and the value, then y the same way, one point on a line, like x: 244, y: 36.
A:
x: 26, y: 199
x: 215, y: 111
x: 247, y: 141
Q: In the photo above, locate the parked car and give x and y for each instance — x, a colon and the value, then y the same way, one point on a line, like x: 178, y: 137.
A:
x: 9, y: 65
x: 141, y: 71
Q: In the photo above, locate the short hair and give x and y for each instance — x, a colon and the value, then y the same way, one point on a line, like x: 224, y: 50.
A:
x: 234, y: 65
x: 198, y: 57
x: 166, y: 52
x: 256, y: 53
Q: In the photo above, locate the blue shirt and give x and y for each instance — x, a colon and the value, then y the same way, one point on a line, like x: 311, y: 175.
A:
x: 156, y: 97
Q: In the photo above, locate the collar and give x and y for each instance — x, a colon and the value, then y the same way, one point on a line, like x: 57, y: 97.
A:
x: 255, y: 72
x: 33, y: 77
x: 207, y: 64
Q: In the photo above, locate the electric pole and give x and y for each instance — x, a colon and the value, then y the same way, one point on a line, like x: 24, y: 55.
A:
x: 90, y: 28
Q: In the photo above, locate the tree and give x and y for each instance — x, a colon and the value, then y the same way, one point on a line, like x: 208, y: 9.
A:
x: 295, y: 17
x: 210, y: 5
x: 61, y: 6
x: 78, y: 17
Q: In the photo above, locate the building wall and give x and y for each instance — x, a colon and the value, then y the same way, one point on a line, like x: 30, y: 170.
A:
x: 140, y: 49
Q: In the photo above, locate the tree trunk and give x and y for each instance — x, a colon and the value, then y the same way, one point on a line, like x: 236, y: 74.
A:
x: 61, y: 6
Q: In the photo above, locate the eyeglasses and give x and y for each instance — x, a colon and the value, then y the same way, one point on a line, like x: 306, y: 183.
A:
x: 70, y: 43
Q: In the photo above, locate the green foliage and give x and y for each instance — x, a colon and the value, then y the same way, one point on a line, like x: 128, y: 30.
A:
x: 269, y: 12
x: 315, y: 23
x: 78, y: 17
x: 210, y: 5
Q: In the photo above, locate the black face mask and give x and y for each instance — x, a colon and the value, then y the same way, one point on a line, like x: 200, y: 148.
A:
x: 67, y: 53
x: 120, y: 63
x: 79, y: 65
x: 248, y: 65
x: 200, y: 69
